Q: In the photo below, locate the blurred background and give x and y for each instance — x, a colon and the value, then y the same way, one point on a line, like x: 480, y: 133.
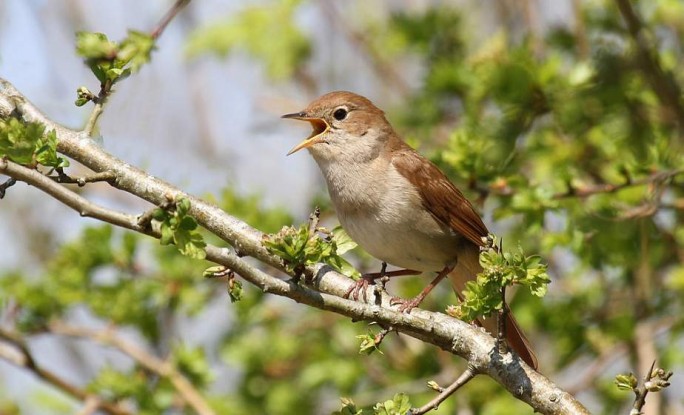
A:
x: 561, y: 120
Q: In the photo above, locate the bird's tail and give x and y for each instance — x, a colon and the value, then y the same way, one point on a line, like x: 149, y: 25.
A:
x: 467, y: 268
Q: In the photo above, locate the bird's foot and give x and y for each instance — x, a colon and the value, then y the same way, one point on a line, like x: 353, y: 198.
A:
x: 361, y: 286
x: 405, y: 306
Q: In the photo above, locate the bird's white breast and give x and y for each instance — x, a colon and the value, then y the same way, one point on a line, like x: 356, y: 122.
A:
x: 382, y: 211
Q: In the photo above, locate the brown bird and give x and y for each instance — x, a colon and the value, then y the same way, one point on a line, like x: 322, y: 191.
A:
x: 396, y: 204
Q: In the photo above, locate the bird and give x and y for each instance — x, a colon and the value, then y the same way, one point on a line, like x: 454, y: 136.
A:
x: 396, y: 204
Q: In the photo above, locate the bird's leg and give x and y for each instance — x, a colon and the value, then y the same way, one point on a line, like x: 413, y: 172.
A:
x: 501, y: 324
x: 405, y: 306
x: 369, y: 278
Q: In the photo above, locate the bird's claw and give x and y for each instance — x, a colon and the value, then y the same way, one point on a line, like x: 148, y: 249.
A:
x: 405, y: 306
x: 360, y: 285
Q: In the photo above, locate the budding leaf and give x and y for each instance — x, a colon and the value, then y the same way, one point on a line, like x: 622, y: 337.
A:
x: 179, y: 228
x: 399, y: 405
x: 368, y: 344
x: 500, y: 269
x: 91, y: 46
x: 234, y: 290
x: 349, y: 408
x: 28, y: 144
x: 300, y: 247
x: 626, y: 381
x: 343, y: 241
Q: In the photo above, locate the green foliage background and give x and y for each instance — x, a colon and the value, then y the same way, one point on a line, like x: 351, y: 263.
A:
x: 560, y: 137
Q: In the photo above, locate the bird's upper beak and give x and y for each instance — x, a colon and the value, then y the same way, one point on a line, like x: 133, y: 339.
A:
x: 320, y: 127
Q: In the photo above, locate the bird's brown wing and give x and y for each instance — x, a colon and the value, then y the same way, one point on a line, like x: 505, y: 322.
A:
x: 446, y: 203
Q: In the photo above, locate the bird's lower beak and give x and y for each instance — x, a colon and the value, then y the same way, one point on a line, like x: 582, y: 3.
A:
x: 320, y: 127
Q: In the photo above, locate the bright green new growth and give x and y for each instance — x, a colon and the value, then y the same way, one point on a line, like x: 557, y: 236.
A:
x: 626, y: 382
x: 301, y: 247
x: 28, y: 144
x: 112, y: 61
x: 179, y: 228
x: 482, y: 297
x: 398, y: 405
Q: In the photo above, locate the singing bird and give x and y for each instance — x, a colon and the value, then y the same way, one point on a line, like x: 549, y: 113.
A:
x: 396, y: 204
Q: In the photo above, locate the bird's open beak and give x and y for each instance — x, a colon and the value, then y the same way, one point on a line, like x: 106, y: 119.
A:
x: 320, y: 127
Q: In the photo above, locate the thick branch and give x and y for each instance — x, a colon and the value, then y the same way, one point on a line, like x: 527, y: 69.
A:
x: 445, y: 332
x: 80, y: 204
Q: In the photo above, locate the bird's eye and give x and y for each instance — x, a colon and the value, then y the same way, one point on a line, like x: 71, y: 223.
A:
x: 340, y: 114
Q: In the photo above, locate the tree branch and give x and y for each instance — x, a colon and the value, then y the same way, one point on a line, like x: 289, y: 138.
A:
x: 164, y: 369
x: 25, y: 359
x: 80, y: 204
x: 438, y: 329
x: 465, y: 377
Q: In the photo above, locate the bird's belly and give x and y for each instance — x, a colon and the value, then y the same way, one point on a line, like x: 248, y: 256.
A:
x: 420, y: 243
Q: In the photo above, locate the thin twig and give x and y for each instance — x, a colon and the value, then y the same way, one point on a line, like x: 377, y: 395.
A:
x: 6, y: 185
x: 103, y: 176
x: 75, y: 201
x: 89, y: 128
x: 591, y: 190
x: 603, y: 188
x: 91, y: 405
x: 501, y: 324
x: 641, y: 392
x: 465, y: 377
x: 106, y: 87
x: 26, y: 360
x: 175, y: 9
x: 165, y: 369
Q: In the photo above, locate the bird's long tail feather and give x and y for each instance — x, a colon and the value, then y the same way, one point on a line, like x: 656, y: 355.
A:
x: 466, y: 269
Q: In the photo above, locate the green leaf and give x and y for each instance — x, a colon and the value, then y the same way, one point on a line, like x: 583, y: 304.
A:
x: 368, y: 344
x: 297, y: 247
x: 93, y: 46
x: 135, y: 50
x: 399, y: 405
x: 166, y: 234
x: 342, y: 240
x: 349, y: 408
x: 188, y: 223
x: 234, y: 290
x: 27, y: 144
x: 183, y: 206
x: 626, y: 381
x: 482, y: 297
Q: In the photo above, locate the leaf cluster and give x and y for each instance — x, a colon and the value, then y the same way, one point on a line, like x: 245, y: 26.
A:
x: 398, y: 405
x: 112, y: 61
x: 501, y: 269
x: 180, y: 229
x: 300, y: 247
x: 28, y: 144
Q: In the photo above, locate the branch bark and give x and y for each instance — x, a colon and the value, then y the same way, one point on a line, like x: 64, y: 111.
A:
x: 327, y: 286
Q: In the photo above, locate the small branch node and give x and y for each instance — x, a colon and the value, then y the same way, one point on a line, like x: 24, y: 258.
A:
x: 6, y: 185
x: 465, y: 377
